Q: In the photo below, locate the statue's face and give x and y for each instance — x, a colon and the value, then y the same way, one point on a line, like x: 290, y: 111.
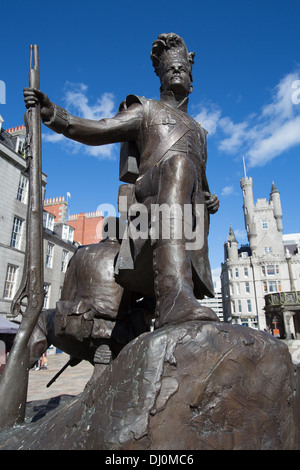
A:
x: 175, y: 76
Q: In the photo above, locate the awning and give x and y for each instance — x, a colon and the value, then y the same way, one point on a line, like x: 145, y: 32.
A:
x: 7, y: 327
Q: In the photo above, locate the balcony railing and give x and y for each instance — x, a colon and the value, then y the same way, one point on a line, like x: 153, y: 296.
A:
x: 283, y: 298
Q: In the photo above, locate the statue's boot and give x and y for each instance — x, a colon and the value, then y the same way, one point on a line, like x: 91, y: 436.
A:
x: 173, y: 284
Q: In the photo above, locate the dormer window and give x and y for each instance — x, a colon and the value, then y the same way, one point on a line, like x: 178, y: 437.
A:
x: 68, y: 233
x: 48, y: 220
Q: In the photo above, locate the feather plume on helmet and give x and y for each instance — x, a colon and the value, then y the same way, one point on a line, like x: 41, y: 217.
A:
x: 168, y: 48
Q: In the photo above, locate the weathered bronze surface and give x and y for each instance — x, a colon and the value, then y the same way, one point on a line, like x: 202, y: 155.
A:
x: 14, y: 379
x: 193, y: 386
x: 168, y: 149
x: 95, y: 317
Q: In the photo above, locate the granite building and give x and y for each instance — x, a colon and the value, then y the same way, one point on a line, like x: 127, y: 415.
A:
x: 269, y: 264
x: 58, y: 243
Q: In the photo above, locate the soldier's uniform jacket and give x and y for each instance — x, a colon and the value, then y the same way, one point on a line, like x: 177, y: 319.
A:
x: 151, y: 130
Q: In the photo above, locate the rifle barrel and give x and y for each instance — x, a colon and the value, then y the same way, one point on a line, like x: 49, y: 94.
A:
x: 58, y: 373
x: 14, y: 378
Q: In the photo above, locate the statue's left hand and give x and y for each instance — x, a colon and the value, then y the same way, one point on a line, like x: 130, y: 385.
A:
x: 212, y: 203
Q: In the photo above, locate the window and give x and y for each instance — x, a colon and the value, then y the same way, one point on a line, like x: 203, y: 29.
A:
x: 64, y: 261
x: 271, y: 286
x: 265, y: 285
x: 247, y: 287
x: 68, y: 233
x: 236, y: 272
x: 16, y: 233
x: 249, y: 306
x: 237, y: 289
x: 10, y: 281
x: 279, y: 286
x: 267, y: 249
x: 49, y: 255
x: 22, y: 189
x: 232, y: 306
x: 264, y: 224
x: 21, y: 147
x: 246, y: 273
x: 47, y: 294
x: 240, y: 306
x: 48, y: 220
x: 270, y: 270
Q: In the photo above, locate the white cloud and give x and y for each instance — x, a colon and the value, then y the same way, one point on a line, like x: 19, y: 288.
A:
x: 236, y: 133
x: 260, y: 137
x: 208, y: 119
x: 53, y: 138
x: 263, y: 135
x: 284, y: 137
x: 227, y: 190
x: 75, y: 100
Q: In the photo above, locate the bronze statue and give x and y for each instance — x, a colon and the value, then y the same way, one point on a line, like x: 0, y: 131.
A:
x: 154, y: 395
x: 168, y: 149
x: 95, y: 317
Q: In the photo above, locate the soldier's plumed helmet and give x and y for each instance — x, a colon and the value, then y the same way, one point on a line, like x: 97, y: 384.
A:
x: 168, y: 48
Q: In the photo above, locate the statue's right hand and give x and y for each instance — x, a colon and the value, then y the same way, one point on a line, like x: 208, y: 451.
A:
x: 32, y: 97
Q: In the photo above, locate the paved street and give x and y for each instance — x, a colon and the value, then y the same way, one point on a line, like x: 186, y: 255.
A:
x: 71, y: 382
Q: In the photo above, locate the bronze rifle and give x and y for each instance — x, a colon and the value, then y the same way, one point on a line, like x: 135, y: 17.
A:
x: 14, y: 378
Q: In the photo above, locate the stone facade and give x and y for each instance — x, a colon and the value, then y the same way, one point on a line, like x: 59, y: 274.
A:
x: 268, y: 264
x: 13, y: 215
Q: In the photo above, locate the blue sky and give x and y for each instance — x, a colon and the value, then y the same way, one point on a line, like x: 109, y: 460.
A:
x: 93, y: 54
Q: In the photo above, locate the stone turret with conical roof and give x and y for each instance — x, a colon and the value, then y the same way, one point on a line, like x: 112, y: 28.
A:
x: 231, y: 246
x: 275, y: 200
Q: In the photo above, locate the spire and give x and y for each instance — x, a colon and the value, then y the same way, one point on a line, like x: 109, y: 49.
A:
x: 231, y: 247
x: 275, y: 201
x: 274, y: 189
x: 231, y: 237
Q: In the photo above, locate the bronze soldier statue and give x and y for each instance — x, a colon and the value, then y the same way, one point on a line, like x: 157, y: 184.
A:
x: 168, y: 149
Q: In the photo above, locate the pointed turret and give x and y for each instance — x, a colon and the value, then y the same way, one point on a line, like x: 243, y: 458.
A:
x: 275, y: 200
x: 231, y: 236
x: 231, y: 246
x: 273, y: 189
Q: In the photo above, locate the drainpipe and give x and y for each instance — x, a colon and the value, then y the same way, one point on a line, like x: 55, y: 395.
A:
x: 254, y: 287
x: 289, y: 263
